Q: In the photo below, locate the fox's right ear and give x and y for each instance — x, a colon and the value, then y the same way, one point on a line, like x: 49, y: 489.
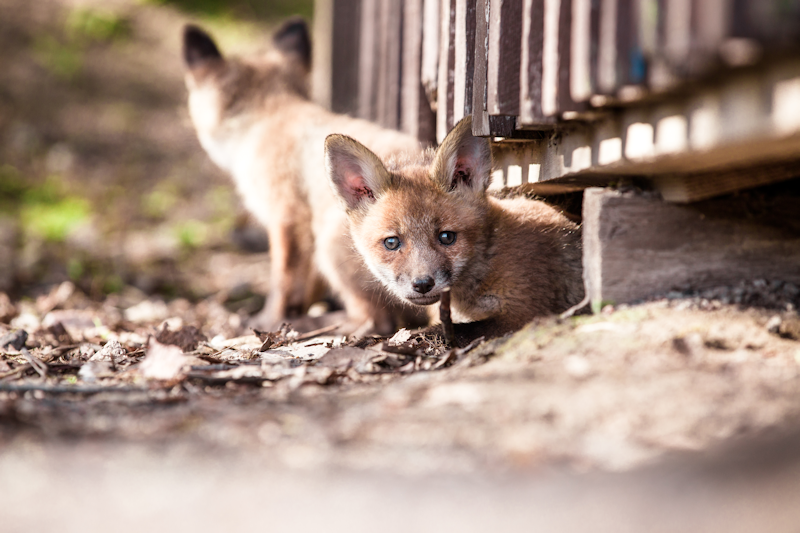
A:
x: 198, y: 47
x: 292, y: 38
x: 356, y: 174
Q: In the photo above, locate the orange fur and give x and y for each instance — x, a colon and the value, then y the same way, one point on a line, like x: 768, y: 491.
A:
x: 511, y: 260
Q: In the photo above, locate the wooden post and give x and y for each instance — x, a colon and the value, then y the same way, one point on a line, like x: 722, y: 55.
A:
x: 637, y: 246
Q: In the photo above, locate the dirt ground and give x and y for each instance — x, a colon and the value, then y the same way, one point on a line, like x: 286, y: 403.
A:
x: 133, y: 396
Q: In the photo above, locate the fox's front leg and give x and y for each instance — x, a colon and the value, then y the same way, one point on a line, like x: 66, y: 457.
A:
x: 290, y: 273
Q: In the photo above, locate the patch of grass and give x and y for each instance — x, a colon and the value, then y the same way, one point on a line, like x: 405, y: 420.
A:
x: 85, y: 25
x: 160, y: 201
x: 61, y: 59
x: 192, y: 233
x: 55, y: 221
x: 241, y: 9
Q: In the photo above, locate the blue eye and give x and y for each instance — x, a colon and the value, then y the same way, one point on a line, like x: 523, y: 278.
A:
x: 391, y: 243
x: 447, y: 237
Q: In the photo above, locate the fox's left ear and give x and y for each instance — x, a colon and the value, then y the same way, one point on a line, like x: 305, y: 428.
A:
x: 292, y: 38
x: 199, y: 48
x: 463, y: 160
x: 356, y: 174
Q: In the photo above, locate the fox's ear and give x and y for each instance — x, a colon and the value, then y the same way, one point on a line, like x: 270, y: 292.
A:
x: 355, y: 173
x: 463, y: 160
x: 293, y: 38
x: 198, y: 47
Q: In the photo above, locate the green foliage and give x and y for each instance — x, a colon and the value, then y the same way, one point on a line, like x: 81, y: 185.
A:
x: 45, y: 210
x: 241, y: 9
x: 192, y: 233
x: 83, y: 26
x: 75, y: 268
x: 93, y: 25
x: 54, y: 221
x: 64, y: 61
x: 159, y: 202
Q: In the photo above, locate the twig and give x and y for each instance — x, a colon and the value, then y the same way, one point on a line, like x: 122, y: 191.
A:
x: 316, y: 332
x: 38, y: 365
x: 18, y: 370
x: 447, y: 321
x: 575, y: 308
x: 65, y: 389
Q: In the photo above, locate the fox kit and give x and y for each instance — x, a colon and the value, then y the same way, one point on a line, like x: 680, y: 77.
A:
x: 254, y: 119
x: 426, y: 223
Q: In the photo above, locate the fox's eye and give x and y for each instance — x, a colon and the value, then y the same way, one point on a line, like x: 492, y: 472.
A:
x: 391, y: 243
x: 447, y: 237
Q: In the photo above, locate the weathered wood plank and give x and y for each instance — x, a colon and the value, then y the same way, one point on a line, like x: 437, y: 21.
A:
x: 636, y: 246
x: 431, y: 26
x: 335, y: 77
x: 416, y: 116
x: 556, y: 56
x: 505, y: 42
x: 480, y: 117
x: 387, y: 100
x: 531, y: 114
x: 464, y: 58
x: 368, y: 60
x: 444, y: 110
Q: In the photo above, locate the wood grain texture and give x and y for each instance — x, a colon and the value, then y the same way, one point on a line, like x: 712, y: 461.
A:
x: 416, y: 116
x: 336, y: 55
x: 636, y: 246
x: 446, y: 87
x: 389, y: 50
x: 480, y: 117
x: 505, y: 41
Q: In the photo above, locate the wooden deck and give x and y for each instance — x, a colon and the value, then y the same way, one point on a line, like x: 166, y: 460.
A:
x: 692, y: 98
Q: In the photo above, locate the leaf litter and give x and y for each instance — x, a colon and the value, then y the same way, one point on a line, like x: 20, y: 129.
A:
x: 613, y: 390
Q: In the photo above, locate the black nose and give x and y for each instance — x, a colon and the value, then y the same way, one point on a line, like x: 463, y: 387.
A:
x: 423, y: 285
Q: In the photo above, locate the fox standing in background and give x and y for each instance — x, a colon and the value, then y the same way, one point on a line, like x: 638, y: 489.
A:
x: 426, y: 223
x: 255, y: 120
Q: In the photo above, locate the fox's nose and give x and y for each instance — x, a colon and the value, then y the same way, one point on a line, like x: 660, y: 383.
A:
x: 423, y: 285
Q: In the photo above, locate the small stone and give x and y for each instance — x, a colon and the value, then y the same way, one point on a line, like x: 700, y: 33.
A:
x: 15, y: 339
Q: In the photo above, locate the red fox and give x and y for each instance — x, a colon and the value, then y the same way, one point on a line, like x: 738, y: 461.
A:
x: 425, y: 223
x: 255, y: 120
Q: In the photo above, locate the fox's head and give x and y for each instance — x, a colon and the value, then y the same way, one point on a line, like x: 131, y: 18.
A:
x: 418, y: 224
x: 224, y: 88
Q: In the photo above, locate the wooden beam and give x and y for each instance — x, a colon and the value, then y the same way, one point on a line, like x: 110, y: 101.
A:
x: 637, y: 246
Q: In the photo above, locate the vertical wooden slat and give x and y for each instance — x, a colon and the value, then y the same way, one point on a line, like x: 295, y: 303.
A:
x: 505, y: 42
x: 556, y: 55
x: 444, y: 110
x: 607, y: 48
x: 387, y: 98
x: 336, y: 52
x: 629, y: 58
x: 431, y: 28
x: 480, y: 118
x: 416, y: 116
x: 464, y: 58
x: 531, y: 65
x: 580, y: 53
x: 367, y: 60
